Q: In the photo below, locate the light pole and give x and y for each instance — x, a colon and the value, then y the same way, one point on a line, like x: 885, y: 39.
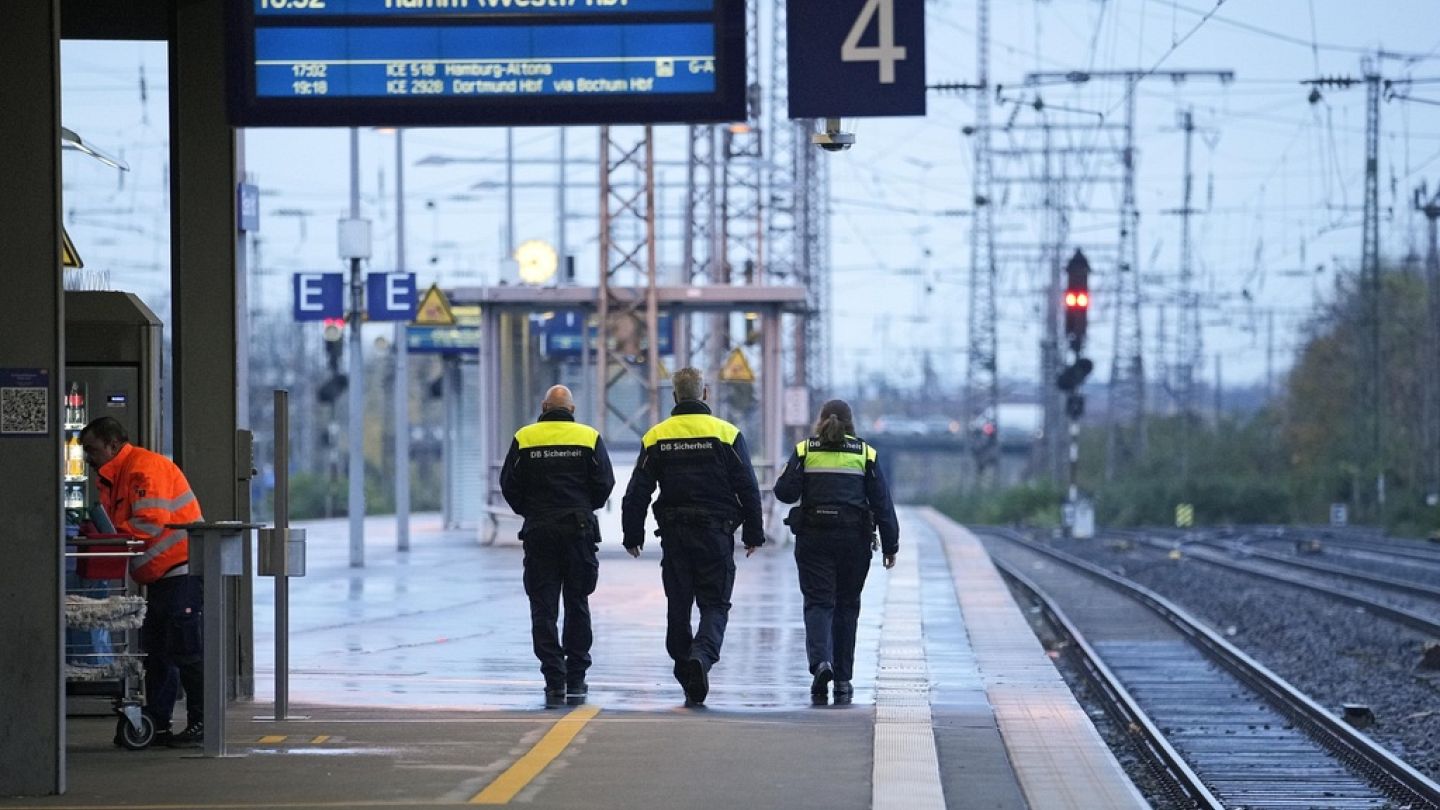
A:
x: 355, y: 246
x: 402, y: 367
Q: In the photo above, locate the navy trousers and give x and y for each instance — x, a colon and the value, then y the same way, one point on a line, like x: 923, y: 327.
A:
x: 560, y: 565
x: 697, y: 568
x: 172, y: 640
x: 833, y: 566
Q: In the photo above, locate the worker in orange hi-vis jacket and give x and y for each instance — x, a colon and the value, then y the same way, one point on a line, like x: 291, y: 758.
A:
x: 142, y: 492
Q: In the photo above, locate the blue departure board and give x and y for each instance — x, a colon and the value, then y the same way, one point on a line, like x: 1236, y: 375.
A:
x: 486, y: 62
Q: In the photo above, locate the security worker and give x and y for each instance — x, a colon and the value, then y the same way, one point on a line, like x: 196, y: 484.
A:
x: 707, y: 490
x: 142, y: 492
x: 556, y: 475
x: 843, y: 500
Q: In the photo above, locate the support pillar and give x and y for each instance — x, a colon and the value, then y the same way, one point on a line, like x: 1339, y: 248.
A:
x: 32, y: 725
x: 207, y: 272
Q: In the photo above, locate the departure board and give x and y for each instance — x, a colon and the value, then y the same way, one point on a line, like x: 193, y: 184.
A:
x: 486, y: 62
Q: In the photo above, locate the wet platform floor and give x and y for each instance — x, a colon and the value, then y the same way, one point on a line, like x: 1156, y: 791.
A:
x: 413, y: 685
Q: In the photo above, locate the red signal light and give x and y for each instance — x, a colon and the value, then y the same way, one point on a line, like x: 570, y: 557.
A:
x: 1077, y: 300
x: 1082, y: 300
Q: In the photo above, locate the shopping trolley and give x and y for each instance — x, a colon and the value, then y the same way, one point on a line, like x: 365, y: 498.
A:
x: 103, y: 614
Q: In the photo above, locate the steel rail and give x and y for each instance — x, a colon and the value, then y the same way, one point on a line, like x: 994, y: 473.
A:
x: 1164, y: 760
x: 1409, y: 618
x: 1392, y: 775
x: 1378, y: 580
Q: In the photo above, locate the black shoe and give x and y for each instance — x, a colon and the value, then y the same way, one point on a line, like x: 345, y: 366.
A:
x: 697, y: 683
x: 554, y: 697
x: 577, y: 688
x: 823, y: 676
x: 192, y: 737
x: 844, y: 692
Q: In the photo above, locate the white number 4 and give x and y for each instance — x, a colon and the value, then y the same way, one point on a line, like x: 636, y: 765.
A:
x: 885, y: 51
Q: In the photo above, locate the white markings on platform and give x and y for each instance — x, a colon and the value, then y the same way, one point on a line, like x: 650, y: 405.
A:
x: 907, y: 767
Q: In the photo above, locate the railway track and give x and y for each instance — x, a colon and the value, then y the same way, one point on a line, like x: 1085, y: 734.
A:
x: 1424, y: 621
x: 1219, y: 728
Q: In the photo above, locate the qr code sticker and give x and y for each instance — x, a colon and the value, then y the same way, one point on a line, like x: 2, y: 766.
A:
x: 24, y: 411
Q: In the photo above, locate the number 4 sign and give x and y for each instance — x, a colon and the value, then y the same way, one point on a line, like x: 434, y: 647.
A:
x: 885, y: 51
x: 856, y: 58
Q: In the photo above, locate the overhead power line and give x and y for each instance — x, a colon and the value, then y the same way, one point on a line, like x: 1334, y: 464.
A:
x: 1303, y: 43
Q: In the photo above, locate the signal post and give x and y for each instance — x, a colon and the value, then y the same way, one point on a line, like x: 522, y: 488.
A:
x: 1078, y: 520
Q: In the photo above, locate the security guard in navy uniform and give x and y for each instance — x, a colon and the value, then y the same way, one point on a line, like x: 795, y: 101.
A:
x: 556, y: 475
x: 843, y: 499
x: 707, y: 490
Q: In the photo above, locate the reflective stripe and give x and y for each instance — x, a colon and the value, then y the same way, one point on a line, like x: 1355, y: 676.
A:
x: 557, y: 433
x: 832, y: 461
x: 163, y: 545
x: 801, y: 448
x: 833, y: 471
x: 146, y: 526
x: 169, y: 504
x: 692, y: 426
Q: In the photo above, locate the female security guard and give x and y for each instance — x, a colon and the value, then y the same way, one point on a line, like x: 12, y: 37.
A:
x: 843, y: 500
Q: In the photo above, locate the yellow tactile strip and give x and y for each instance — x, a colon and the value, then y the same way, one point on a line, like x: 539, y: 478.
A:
x: 906, y: 766
x: 1058, y: 756
x: 513, y: 780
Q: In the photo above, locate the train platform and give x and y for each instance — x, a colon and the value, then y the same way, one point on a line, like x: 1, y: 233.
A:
x: 413, y: 684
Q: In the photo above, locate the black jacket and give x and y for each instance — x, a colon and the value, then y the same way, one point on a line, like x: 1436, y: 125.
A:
x: 844, y: 475
x: 555, y: 466
x: 700, y: 463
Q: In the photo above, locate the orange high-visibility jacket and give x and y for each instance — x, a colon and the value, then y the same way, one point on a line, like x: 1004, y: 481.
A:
x: 142, y: 491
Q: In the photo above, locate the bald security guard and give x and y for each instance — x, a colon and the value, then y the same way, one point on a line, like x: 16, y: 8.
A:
x: 556, y: 475
x: 707, y: 490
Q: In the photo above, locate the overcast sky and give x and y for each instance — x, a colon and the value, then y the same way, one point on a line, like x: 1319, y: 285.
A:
x: 1280, y: 177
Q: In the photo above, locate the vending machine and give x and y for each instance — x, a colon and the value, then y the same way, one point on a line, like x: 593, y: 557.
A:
x: 112, y: 350
x: 112, y: 368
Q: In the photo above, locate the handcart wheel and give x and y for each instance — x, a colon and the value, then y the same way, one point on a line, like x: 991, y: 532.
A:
x: 133, y: 738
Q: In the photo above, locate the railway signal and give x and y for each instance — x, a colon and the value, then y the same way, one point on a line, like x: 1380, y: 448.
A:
x: 1075, y: 373
x: 1077, y: 300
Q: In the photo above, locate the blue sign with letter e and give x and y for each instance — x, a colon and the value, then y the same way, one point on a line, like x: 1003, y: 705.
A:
x: 390, y: 296
x: 856, y: 58
x: 319, y: 296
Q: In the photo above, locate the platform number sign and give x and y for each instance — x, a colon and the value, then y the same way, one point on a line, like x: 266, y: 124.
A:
x: 886, y: 53
x: 856, y: 58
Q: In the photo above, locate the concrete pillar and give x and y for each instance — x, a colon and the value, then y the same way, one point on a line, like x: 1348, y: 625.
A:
x: 207, y: 284
x: 32, y: 695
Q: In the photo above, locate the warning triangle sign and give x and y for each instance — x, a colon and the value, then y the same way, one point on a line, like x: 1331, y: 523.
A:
x: 434, y: 309
x: 737, y: 368
x: 69, y: 257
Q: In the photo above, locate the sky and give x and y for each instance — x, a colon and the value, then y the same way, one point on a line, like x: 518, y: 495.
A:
x: 1277, y: 177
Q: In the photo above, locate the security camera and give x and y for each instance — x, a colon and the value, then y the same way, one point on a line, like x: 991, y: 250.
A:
x: 831, y: 139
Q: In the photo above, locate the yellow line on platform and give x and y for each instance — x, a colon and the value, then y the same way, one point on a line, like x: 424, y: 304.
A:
x: 514, y: 780
x: 273, y: 738
x: 322, y: 738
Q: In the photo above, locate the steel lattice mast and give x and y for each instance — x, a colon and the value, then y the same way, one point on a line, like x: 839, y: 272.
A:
x: 982, y: 383
x: 627, y: 253
x: 742, y: 192
x: 1126, y: 437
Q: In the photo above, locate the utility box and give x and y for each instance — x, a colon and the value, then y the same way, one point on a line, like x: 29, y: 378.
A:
x: 282, y: 553
x: 1083, y: 527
